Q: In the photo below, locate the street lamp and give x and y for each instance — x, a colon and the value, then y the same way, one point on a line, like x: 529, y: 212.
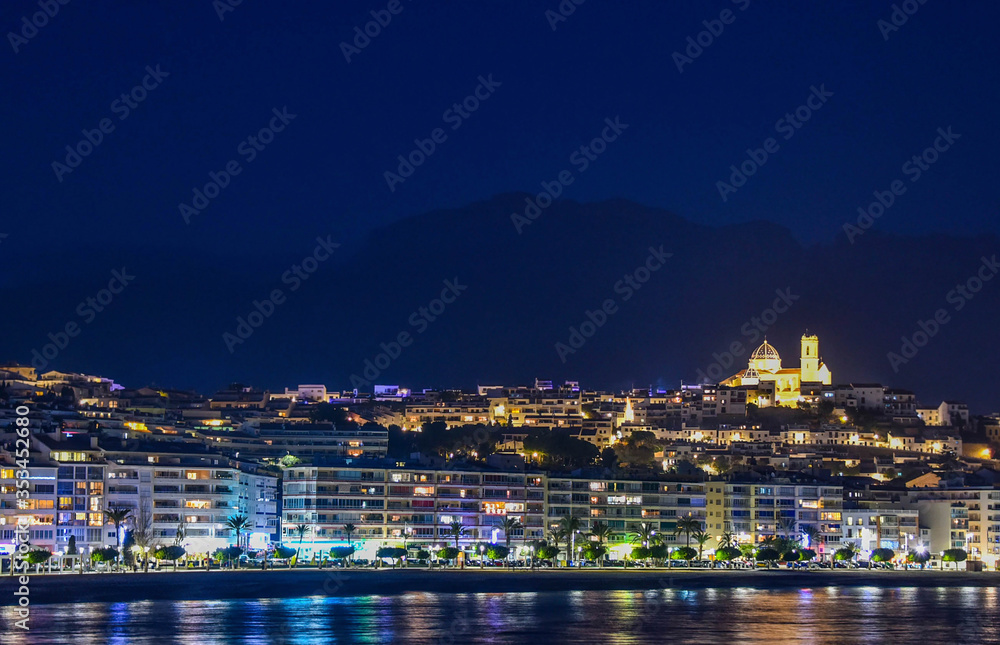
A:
x: 532, y: 556
x: 482, y: 556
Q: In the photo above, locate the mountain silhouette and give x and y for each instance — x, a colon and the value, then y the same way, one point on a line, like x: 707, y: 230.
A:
x: 519, y: 295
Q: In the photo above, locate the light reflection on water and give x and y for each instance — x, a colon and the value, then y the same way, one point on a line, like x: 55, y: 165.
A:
x: 730, y: 616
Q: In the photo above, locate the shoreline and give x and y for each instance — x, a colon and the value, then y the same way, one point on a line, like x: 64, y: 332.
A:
x: 283, y: 583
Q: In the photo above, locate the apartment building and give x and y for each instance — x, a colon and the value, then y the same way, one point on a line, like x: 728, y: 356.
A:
x: 73, y: 479
x: 468, y: 411
x: 864, y: 396
x: 307, y: 441
x: 881, y: 527
x: 66, y: 493
x: 900, y: 404
x: 949, y: 413
x: 391, y: 502
x: 195, y: 496
x: 63, y: 502
x: 960, y: 518
x: 538, y: 408
x: 754, y: 509
x: 623, y: 504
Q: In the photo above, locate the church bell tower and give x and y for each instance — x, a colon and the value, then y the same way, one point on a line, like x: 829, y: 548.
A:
x: 810, y: 358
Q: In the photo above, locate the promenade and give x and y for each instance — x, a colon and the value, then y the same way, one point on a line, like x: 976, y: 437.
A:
x: 284, y: 583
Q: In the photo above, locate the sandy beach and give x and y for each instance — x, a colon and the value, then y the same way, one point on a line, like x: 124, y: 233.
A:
x: 207, y: 585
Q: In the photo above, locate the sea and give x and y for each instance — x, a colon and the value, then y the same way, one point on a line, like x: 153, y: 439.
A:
x: 731, y: 616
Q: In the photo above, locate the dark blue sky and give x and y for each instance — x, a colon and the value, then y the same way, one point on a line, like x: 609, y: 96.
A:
x: 323, y: 173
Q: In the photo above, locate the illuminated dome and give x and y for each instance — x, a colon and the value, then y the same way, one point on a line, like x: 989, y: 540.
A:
x: 765, y: 352
x: 765, y: 358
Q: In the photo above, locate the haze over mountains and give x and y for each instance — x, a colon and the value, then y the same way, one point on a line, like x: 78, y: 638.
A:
x: 701, y: 301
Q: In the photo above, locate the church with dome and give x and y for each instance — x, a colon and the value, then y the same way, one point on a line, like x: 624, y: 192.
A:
x: 764, y: 369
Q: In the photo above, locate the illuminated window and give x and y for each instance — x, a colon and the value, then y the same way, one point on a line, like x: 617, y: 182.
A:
x: 423, y: 490
x: 495, y: 508
x: 196, y: 503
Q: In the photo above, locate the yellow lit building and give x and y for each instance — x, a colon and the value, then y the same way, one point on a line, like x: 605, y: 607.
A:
x: 765, y: 368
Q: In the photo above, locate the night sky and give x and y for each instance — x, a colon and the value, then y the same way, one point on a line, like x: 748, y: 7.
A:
x: 886, y: 92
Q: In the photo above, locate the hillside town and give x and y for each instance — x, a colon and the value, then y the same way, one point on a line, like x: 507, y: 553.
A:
x: 771, y: 453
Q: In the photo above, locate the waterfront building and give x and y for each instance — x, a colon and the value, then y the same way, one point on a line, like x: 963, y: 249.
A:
x: 623, y: 504
x: 884, y: 526
x: 73, y: 479
x: 754, y: 508
x: 391, y: 503
x: 966, y: 517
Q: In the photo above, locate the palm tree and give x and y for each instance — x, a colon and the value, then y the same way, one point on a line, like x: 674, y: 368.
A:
x: 646, y: 534
x: 602, y: 532
x: 727, y: 540
x: 456, y: 530
x: 117, y: 515
x: 812, y: 535
x: 350, y: 529
x: 556, y: 536
x: 238, y: 523
x: 570, y: 526
x: 508, y: 526
x: 702, y: 538
x: 687, y: 525
x: 301, y: 529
